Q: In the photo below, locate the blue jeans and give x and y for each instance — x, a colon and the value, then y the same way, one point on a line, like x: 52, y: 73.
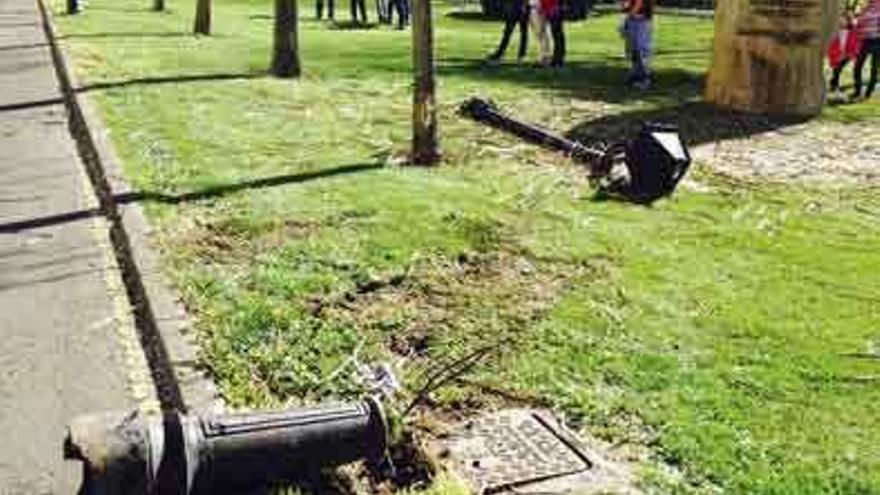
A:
x: 637, y: 32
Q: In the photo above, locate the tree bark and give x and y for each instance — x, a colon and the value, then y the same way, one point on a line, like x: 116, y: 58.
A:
x: 769, y: 55
x: 285, y: 52
x: 424, y: 117
x: 158, y: 5
x: 203, y: 17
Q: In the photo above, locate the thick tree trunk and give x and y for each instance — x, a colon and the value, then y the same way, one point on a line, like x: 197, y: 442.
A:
x: 158, y: 5
x: 424, y: 118
x: 769, y: 55
x: 285, y: 52
x: 203, y: 17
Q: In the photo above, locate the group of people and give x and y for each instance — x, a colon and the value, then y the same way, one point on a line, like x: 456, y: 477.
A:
x: 542, y: 15
x: 857, y: 39
x: 385, y: 10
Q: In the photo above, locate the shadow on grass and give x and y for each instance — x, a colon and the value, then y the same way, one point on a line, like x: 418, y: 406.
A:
x: 199, y: 195
x: 183, y: 78
x: 23, y: 46
x: 141, y: 81
x: 225, y: 189
x: 698, y: 123
x: 352, y: 26
x: 127, y: 34
x: 474, y: 15
x: 591, y: 80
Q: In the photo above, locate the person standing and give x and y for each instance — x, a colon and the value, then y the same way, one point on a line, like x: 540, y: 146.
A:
x: 516, y: 14
x: 402, y: 8
x: 552, y: 11
x: 358, y: 6
x: 637, y: 31
x: 383, y: 12
x: 539, y: 29
x: 319, y: 7
x: 844, y: 46
x: 868, y: 25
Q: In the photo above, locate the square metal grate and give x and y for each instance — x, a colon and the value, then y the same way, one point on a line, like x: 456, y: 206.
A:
x: 510, y: 448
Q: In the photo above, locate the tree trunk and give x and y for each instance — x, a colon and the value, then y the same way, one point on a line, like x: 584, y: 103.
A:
x: 285, y: 52
x: 203, y: 17
x: 158, y: 5
x: 769, y: 55
x: 424, y: 118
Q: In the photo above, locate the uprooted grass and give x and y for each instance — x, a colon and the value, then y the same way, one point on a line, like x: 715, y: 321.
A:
x: 716, y: 328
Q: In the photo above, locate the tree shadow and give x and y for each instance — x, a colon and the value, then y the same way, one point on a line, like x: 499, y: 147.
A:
x: 178, y: 79
x: 140, y: 81
x: 591, y: 80
x: 126, y: 10
x: 187, y: 197
x: 27, y: 105
x: 23, y: 46
x: 352, y: 26
x: 473, y: 15
x: 127, y: 34
x: 698, y: 123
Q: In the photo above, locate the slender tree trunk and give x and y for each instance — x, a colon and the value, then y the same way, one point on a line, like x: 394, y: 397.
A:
x: 285, y: 52
x: 424, y: 117
x: 203, y: 17
x: 769, y: 55
x: 158, y: 5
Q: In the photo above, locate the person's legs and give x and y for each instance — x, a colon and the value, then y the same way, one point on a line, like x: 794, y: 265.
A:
x: 401, y: 13
x: 558, y: 31
x: 523, y: 32
x: 510, y: 22
x: 383, y: 11
x: 404, y: 6
x: 539, y: 28
x: 875, y: 66
x: 834, y: 85
x: 390, y: 7
x: 857, y: 71
x: 638, y: 31
x: 362, y: 4
x: 319, y: 9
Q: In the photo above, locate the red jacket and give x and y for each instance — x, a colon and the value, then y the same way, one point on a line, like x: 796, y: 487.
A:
x: 550, y: 8
x: 839, y: 53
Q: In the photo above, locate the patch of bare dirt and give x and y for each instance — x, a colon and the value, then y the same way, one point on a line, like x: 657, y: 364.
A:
x: 443, y: 306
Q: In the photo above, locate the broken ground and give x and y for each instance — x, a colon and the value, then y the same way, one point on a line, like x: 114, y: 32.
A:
x: 730, y: 332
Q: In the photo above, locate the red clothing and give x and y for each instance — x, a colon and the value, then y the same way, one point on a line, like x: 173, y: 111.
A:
x: 844, y: 46
x: 549, y: 8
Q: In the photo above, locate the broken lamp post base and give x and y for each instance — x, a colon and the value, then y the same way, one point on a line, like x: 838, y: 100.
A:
x: 641, y: 169
x: 176, y: 454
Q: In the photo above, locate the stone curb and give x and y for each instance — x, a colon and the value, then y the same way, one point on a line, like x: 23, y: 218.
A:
x: 164, y: 328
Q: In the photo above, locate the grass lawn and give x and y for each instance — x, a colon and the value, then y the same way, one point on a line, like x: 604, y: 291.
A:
x: 719, y: 330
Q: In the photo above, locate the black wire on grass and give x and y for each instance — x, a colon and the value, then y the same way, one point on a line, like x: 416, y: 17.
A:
x: 448, y: 373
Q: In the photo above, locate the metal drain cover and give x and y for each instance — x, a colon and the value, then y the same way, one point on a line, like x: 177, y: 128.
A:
x: 510, y: 448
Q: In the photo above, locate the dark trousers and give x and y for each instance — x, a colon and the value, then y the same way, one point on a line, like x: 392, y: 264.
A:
x: 319, y: 7
x: 518, y: 14
x: 870, y: 48
x: 834, y: 85
x: 402, y: 8
x: 558, y: 33
x: 383, y: 11
x: 358, y: 6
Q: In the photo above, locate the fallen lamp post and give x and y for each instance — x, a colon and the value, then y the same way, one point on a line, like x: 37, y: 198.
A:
x: 641, y: 169
x: 133, y: 454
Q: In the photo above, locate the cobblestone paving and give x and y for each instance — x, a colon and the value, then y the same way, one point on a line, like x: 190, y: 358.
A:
x: 811, y: 152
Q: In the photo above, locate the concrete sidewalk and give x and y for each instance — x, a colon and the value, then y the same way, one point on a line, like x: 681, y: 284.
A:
x: 67, y: 343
